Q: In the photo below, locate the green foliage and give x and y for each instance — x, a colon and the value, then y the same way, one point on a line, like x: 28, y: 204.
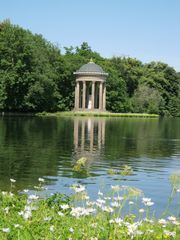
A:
x: 57, y: 199
x: 27, y: 71
x: 35, y: 76
x: 166, y: 81
x: 174, y: 106
x: 130, y: 70
x: 147, y: 99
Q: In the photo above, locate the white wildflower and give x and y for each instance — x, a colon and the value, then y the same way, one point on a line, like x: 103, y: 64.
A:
x: 85, y: 197
x: 138, y: 232
x: 78, y: 188
x: 132, y: 228
x: 171, y: 218
x: 89, y: 203
x: 80, y: 211
x: 51, y: 228
x: 176, y: 223
x: 118, y: 198
x: 4, y: 193
x: 100, y: 193
x: 101, y: 201
x: 111, y: 221
x: 107, y: 198
x: 64, y: 206
x: 94, y: 225
x: 27, y: 208
x: 141, y: 210
x: 34, y: 208
x: 27, y: 214
x: 144, y: 200
x: 169, y: 234
x: 99, y: 205
x: 71, y: 230
x: 115, y: 204
x: 162, y: 221
x: 12, y: 180
x: 148, y: 220
x: 37, y: 187
x: 17, y: 225
x: 149, y: 204
x: 6, y: 230
x: 33, y: 197
x: 6, y: 210
x: 21, y: 213
x: 107, y: 209
x: 47, y: 219
x: 26, y: 190
x: 131, y: 202
x: 41, y: 180
x: 60, y: 214
x: 115, y: 188
x: 118, y: 220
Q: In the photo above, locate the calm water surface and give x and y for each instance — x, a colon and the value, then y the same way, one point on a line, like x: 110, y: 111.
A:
x: 32, y: 147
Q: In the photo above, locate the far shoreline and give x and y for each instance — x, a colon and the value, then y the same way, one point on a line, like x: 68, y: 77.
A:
x: 96, y: 114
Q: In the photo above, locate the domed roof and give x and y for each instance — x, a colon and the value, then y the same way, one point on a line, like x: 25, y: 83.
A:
x: 90, y: 68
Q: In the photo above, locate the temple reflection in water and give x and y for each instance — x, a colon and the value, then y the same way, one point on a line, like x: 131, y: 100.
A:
x: 89, y: 136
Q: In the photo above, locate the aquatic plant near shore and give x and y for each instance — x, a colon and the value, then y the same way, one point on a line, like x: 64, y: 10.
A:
x: 126, y: 170
x: 80, y: 165
x: 175, y: 180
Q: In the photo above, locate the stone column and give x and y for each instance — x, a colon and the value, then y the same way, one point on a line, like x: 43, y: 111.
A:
x: 96, y: 96
x: 84, y: 95
x: 104, y: 97
x: 93, y: 95
x: 77, y: 96
x: 100, y: 96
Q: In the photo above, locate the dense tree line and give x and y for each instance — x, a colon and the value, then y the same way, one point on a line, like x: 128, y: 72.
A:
x: 36, y: 76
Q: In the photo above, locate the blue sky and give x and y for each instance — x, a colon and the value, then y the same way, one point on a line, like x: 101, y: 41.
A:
x: 145, y: 29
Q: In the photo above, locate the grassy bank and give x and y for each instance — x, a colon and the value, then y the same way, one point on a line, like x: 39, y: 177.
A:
x: 98, y: 114
x: 77, y: 217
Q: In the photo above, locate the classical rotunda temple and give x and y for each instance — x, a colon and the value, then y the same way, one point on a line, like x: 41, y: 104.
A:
x: 90, y: 89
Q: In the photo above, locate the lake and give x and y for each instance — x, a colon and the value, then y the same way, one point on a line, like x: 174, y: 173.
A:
x: 33, y: 147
